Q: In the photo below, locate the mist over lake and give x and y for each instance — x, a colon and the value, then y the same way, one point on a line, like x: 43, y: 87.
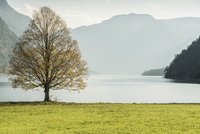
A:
x: 112, y: 88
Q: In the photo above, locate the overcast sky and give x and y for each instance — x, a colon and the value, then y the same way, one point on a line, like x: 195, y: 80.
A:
x: 86, y: 12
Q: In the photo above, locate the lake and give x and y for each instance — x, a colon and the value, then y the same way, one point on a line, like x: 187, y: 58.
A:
x: 114, y: 89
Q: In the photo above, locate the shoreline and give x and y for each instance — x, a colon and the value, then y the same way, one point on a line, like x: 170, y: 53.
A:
x: 95, y: 103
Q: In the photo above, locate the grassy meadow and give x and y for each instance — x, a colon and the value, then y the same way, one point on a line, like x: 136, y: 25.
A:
x: 69, y: 118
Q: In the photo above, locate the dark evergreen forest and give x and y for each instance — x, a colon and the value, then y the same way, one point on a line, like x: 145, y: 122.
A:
x: 186, y: 65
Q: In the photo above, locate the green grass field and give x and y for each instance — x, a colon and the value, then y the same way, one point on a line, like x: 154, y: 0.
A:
x: 61, y: 118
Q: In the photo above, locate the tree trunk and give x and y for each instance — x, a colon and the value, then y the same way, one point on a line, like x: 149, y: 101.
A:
x: 46, y: 91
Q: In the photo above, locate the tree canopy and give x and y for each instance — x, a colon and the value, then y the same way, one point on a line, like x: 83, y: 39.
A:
x: 46, y: 56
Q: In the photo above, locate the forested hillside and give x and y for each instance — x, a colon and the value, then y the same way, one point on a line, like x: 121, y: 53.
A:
x: 154, y: 72
x: 186, y: 65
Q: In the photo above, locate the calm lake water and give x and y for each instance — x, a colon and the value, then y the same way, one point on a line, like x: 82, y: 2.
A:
x: 112, y: 88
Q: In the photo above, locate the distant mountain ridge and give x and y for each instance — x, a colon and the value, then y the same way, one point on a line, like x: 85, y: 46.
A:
x: 16, y: 21
x: 129, y: 44
x: 12, y: 24
x: 7, y: 42
x: 124, y: 44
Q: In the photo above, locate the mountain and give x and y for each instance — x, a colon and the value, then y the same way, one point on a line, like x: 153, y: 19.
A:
x: 7, y: 42
x: 185, y: 22
x: 154, y: 72
x: 186, y: 65
x: 16, y: 21
x: 129, y: 44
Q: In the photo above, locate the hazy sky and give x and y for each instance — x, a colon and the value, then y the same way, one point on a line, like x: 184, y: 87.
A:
x: 86, y: 12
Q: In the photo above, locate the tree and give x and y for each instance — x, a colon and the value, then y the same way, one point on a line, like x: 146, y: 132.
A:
x: 46, y: 56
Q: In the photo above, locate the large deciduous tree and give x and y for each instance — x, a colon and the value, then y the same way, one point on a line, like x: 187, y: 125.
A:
x: 46, y: 56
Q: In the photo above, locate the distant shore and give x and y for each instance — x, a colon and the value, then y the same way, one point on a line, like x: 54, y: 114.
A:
x: 95, y: 103
x: 185, y: 80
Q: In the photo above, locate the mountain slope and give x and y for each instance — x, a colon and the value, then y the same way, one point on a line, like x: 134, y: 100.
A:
x: 16, y: 21
x: 132, y: 43
x: 7, y: 42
